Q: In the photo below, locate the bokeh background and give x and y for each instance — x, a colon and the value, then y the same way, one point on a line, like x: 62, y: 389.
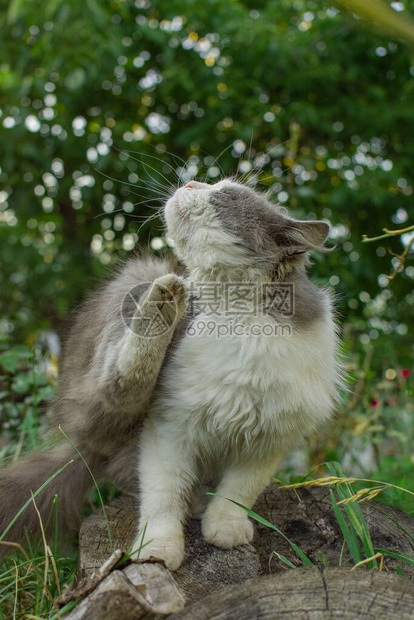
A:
x: 106, y: 107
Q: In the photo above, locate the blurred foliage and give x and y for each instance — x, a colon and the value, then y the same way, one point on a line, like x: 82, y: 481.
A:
x: 307, y: 100
x: 27, y: 385
x: 105, y: 107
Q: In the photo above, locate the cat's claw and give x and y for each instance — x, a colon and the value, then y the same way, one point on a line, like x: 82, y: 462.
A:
x: 227, y: 533
x: 170, y: 293
x: 171, y: 551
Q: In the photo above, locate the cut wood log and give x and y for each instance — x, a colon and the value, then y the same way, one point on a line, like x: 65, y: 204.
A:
x: 136, y: 591
x: 307, y: 518
x: 307, y: 593
x: 114, y: 598
x: 252, y: 581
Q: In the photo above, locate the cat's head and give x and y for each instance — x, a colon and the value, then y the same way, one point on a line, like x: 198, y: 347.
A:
x: 231, y: 224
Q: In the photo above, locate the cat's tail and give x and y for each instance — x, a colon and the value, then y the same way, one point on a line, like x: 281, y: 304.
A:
x: 21, y: 480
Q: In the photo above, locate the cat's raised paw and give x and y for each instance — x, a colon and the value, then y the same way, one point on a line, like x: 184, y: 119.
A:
x: 171, y: 551
x: 170, y: 293
x: 162, y: 307
x: 227, y: 533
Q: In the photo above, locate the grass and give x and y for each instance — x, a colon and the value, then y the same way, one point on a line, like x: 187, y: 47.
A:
x: 31, y: 580
x: 348, y: 513
x: 353, y: 526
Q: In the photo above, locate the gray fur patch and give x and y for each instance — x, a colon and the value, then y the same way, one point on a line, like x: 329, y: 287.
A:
x: 250, y: 217
x: 263, y: 228
x: 266, y: 230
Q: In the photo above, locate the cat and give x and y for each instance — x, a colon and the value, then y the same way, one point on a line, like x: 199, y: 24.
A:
x: 161, y: 405
x: 229, y: 408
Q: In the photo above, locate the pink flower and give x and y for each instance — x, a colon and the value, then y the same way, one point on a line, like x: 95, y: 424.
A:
x: 405, y: 372
x: 374, y: 403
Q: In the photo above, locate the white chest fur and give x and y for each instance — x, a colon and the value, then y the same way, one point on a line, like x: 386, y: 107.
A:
x: 273, y: 386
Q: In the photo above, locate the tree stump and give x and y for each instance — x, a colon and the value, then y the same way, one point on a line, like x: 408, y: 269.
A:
x: 251, y: 581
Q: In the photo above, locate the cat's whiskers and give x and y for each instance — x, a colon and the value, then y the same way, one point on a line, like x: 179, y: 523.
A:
x: 182, y: 161
x: 132, y: 215
x: 147, y: 166
x: 216, y: 160
x: 146, y: 187
x: 256, y: 169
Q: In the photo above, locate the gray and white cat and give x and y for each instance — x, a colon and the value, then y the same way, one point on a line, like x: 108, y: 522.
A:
x: 243, y: 382
x: 228, y: 409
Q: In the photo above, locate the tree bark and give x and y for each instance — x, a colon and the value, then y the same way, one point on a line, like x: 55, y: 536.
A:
x: 252, y: 581
x: 307, y: 593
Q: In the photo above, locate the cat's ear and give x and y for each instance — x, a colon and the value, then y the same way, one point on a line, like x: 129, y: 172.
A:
x: 304, y: 236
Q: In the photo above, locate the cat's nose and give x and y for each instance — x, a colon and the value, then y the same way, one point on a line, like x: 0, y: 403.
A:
x: 196, y: 185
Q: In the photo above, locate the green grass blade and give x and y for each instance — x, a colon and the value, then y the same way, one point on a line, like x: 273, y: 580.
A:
x: 29, y: 501
x: 299, y: 552
x: 357, y: 520
x: 263, y: 521
x: 348, y: 534
x: 393, y: 520
x: 285, y: 560
x: 354, y: 513
x: 323, y: 559
x: 398, y: 556
x: 65, y: 609
x: 56, y: 533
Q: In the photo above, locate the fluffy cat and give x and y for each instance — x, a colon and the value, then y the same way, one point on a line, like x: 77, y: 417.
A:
x: 229, y: 408
x: 219, y: 406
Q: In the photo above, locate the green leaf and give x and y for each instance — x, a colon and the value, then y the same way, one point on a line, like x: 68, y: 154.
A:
x: 9, y: 362
x: 26, y: 382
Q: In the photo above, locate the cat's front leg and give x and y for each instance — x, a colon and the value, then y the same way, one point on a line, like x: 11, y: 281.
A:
x: 166, y: 478
x: 161, y: 308
x: 131, y: 365
x: 226, y: 525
